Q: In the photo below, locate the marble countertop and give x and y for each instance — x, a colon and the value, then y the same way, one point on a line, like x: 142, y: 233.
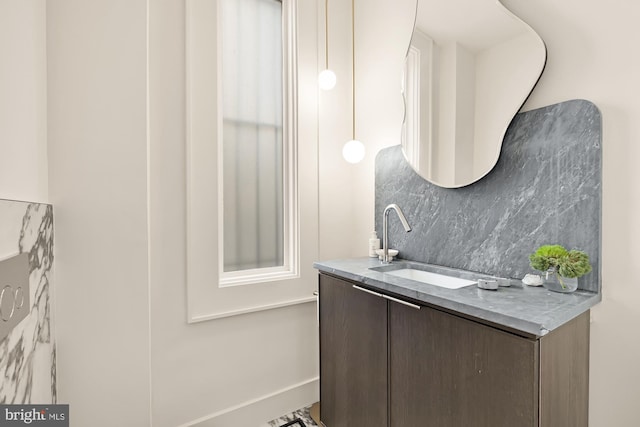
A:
x: 532, y: 310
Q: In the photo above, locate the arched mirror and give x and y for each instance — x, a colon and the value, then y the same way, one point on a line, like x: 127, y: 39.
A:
x: 470, y: 66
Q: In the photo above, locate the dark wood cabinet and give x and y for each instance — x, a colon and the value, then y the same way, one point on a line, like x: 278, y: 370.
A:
x: 447, y: 371
x: 564, y: 375
x: 383, y: 363
x: 353, y: 356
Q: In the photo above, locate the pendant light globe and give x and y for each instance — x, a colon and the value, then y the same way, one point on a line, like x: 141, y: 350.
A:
x: 353, y: 151
x: 327, y: 79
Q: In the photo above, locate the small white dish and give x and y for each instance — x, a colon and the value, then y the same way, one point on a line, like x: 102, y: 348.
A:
x: 392, y: 253
x: 532, y: 280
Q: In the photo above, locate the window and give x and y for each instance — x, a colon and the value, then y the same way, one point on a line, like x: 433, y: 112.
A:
x: 259, y: 222
x: 252, y: 135
x: 252, y: 213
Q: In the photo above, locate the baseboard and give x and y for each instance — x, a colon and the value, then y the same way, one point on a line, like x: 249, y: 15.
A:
x: 260, y: 410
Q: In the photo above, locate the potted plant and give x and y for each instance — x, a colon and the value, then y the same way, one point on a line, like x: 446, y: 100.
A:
x: 562, y: 267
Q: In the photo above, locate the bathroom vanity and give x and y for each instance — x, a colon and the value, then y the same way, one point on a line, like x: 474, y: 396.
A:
x: 399, y: 351
x: 396, y: 352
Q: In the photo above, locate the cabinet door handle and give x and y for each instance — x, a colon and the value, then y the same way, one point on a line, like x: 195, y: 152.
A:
x: 317, y: 295
x: 367, y: 291
x: 417, y: 307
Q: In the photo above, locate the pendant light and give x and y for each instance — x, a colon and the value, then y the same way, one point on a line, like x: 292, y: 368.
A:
x: 353, y: 151
x: 326, y: 78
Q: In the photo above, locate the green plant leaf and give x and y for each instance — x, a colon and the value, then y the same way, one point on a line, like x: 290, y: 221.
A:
x: 570, y: 264
x: 539, y: 262
x: 575, y: 264
x: 551, y: 251
x: 547, y: 256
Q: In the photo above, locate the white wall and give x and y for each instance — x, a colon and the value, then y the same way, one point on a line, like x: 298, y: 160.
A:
x: 242, y: 370
x: 23, y: 100
x: 591, y: 55
x: 97, y: 139
x: 117, y: 180
x: 337, y: 208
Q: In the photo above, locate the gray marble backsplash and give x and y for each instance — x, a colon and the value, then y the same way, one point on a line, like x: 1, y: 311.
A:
x: 545, y: 189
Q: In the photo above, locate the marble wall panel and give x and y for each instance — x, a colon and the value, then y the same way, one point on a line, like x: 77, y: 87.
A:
x: 28, y: 352
x: 545, y: 189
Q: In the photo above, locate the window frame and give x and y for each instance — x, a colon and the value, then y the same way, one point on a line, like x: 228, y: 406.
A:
x: 291, y: 266
x: 208, y: 297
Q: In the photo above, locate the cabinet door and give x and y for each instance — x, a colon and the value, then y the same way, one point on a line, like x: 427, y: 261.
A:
x: 564, y: 375
x: 353, y: 356
x: 446, y: 371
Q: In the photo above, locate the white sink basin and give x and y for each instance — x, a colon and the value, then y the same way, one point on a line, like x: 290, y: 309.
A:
x: 435, y: 279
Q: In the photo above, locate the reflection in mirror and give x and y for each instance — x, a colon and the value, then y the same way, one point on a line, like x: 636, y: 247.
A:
x: 470, y: 66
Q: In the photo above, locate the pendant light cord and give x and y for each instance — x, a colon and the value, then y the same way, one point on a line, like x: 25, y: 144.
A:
x: 353, y: 65
x: 326, y: 34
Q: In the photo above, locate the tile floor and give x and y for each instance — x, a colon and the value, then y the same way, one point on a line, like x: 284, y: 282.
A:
x: 303, y: 414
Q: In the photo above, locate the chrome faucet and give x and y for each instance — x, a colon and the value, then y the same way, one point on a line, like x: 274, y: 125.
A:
x: 385, y: 232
